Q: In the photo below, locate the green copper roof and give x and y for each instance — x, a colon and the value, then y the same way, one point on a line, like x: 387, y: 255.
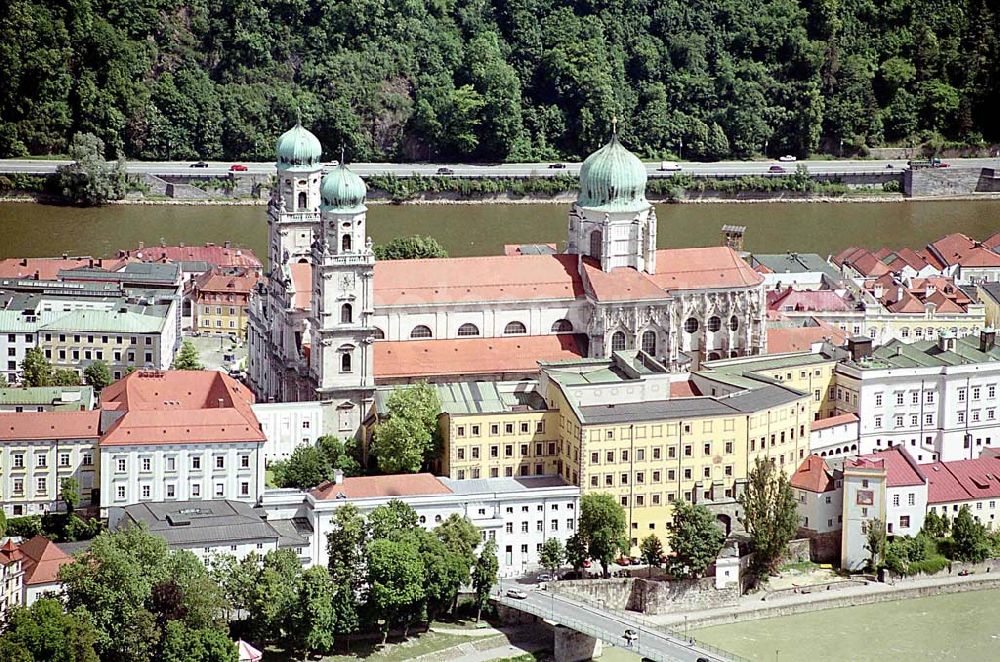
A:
x: 613, y: 179
x: 343, y: 191
x: 299, y: 149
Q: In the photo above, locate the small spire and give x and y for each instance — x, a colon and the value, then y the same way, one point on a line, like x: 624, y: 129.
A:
x: 298, y: 115
x: 614, y: 125
x: 341, y: 155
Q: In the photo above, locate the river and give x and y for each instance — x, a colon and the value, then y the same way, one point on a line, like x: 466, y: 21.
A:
x: 32, y: 230
x: 958, y: 626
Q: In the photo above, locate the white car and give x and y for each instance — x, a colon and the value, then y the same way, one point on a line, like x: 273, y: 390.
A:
x: 517, y: 594
x: 669, y: 166
x: 787, y: 158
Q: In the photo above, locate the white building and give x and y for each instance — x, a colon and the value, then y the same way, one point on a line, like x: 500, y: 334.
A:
x: 835, y: 436
x: 519, y: 513
x: 288, y: 425
x: 11, y: 578
x: 972, y: 483
x: 937, y: 398
x: 41, y: 559
x: 864, y: 505
x: 179, y: 436
x: 819, y: 495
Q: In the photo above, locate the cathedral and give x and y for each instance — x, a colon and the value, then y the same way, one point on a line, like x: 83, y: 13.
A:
x: 329, y: 323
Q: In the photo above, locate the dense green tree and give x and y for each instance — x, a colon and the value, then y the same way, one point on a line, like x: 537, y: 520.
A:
x: 395, y: 517
x: 695, y: 539
x: 769, y: 513
x: 44, y: 631
x: 408, y: 436
x: 552, y: 555
x: 932, y: 524
x: 651, y: 549
x: 187, y: 358
x: 461, y: 537
x: 603, y: 528
x: 35, y: 369
x: 875, y: 543
x: 65, y: 377
x: 396, y: 582
x: 416, y: 247
x: 69, y: 492
x: 972, y: 541
x: 576, y: 551
x: 184, y: 644
x: 445, y: 571
x: 90, y: 180
x: 308, y: 466
x: 97, y: 375
x: 484, y: 575
x: 312, y: 617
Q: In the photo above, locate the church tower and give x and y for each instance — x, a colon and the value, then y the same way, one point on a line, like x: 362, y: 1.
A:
x: 343, y: 303
x: 611, y: 221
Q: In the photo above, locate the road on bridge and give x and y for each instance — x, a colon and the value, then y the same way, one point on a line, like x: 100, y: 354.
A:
x: 717, y: 169
x: 610, y: 627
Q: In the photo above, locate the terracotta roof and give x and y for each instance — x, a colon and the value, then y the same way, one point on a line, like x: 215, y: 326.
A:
x: 180, y: 406
x: 220, y: 256
x: 367, y: 487
x: 48, y: 268
x: 622, y: 284
x: 785, y: 339
x: 956, y: 248
x: 477, y: 279
x: 473, y: 356
x: 992, y: 242
x: 792, y: 300
x: 50, y: 425
x: 963, y: 480
x: 714, y: 267
x: 42, y: 560
x: 217, y: 280
x: 302, y: 284
x: 685, y: 389
x: 833, y: 421
x: 10, y: 553
x: 900, y: 469
x: 813, y: 475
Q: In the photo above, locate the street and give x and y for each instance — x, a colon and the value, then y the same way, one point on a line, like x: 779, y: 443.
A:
x: 719, y: 168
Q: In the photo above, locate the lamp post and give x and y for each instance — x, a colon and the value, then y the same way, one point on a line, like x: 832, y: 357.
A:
x: 841, y: 148
x: 680, y: 155
x: 765, y: 148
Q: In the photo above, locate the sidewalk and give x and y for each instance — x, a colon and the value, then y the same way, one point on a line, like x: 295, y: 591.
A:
x: 751, y: 607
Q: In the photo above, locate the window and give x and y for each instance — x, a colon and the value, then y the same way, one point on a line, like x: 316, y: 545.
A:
x: 514, y: 329
x: 617, y: 341
x: 220, y: 462
x: 196, y: 490
x: 345, y: 362
x: 734, y: 323
x: 904, y: 521
x: 195, y: 462
x: 379, y: 334
x: 147, y: 464
x: 690, y: 325
x: 649, y: 342
x: 120, y: 492
x: 911, y: 499
x: 346, y: 314
x: 146, y: 491
x: 121, y: 465
x: 421, y: 331
x: 562, y: 326
x: 468, y: 330
x: 714, y: 324
x: 63, y: 459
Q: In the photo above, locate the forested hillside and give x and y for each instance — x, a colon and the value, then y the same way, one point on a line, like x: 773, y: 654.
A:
x: 496, y: 79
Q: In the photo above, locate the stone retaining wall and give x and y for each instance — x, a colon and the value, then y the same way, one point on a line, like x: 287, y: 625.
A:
x: 648, y: 596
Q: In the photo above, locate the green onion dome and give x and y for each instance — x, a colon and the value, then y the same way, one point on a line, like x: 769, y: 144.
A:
x: 343, y: 191
x: 613, y: 179
x: 299, y: 149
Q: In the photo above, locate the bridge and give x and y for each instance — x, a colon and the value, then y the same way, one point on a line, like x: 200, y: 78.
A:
x: 649, y: 641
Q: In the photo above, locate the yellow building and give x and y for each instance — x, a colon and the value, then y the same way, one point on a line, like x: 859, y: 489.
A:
x: 220, y: 300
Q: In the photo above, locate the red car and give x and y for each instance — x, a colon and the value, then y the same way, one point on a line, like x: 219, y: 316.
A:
x: 776, y: 168
x: 623, y: 561
x: 586, y: 564
x: 237, y: 167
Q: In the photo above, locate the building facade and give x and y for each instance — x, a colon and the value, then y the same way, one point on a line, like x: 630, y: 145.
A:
x: 220, y: 301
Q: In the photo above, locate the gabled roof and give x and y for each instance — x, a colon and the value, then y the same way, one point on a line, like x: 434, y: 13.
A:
x: 621, y: 284
x: 900, y: 469
x: 963, y: 480
x: 813, y: 475
x: 179, y: 406
x: 28, y: 425
x: 368, y: 487
x: 473, y: 356
x: 789, y: 300
x: 833, y: 421
x: 42, y: 560
x: 713, y: 267
x: 226, y: 282
x: 220, y: 256
x: 957, y: 248
x: 787, y: 339
x: 48, y: 268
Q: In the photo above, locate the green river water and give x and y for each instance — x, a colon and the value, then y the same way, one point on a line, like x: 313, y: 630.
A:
x: 30, y: 230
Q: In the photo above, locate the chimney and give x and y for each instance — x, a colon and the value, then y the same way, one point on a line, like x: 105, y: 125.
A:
x: 181, y: 244
x: 338, y: 477
x: 142, y: 245
x: 878, y: 291
x: 65, y: 256
x: 221, y: 401
x: 987, y: 339
x: 227, y: 244
x: 24, y: 261
x: 859, y: 347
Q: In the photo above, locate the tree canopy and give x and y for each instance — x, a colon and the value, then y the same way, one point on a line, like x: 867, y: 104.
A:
x: 490, y: 80
x: 187, y: 358
x: 308, y: 466
x: 603, y: 528
x: 769, y: 513
x: 695, y: 539
x: 410, y: 248
x: 408, y: 436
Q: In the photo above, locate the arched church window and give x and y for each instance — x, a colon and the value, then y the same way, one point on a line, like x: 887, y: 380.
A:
x: 596, y: 243
x: 714, y: 356
x: 302, y: 199
x: 514, y: 329
x: 345, y: 362
x: 346, y: 314
x: 691, y: 325
x: 468, y: 330
x: 379, y: 334
x: 649, y: 342
x: 714, y: 323
x: 562, y: 326
x: 734, y: 323
x: 345, y: 243
x: 420, y: 331
x: 617, y: 341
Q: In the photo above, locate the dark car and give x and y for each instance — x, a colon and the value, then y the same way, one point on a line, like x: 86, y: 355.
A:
x: 445, y: 171
x: 557, y: 165
x: 238, y: 167
x: 199, y: 164
x: 776, y: 168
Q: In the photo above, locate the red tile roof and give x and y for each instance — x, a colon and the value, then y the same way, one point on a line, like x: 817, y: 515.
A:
x: 813, y: 475
x: 833, y: 421
x: 48, y: 268
x: 900, y: 469
x: 792, y: 300
x: 367, y: 487
x: 42, y: 560
x: 475, y: 279
x: 220, y: 256
x: 180, y: 406
x: 785, y: 339
x: 50, y: 425
x: 963, y: 480
x: 215, y: 280
x: 622, y: 284
x: 993, y: 241
x: 685, y: 389
x: 10, y: 553
x: 473, y: 356
x: 714, y: 267
x: 956, y: 248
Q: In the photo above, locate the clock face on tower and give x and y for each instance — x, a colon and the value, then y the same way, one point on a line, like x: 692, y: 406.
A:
x: 347, y: 282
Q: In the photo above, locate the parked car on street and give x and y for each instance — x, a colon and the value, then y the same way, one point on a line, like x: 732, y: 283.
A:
x: 544, y: 577
x: 517, y: 594
x: 237, y: 167
x: 445, y: 171
x: 776, y: 168
x: 623, y: 560
x: 199, y: 164
x: 586, y: 564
